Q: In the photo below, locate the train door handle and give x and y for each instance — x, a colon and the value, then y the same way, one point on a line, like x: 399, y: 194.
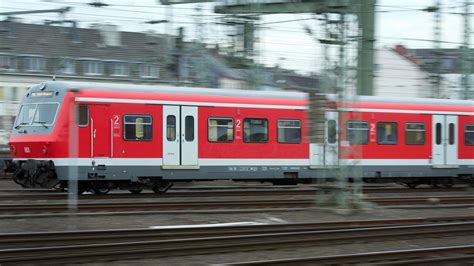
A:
x: 95, y: 130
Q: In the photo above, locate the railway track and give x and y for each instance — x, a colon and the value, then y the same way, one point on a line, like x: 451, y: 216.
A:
x: 58, y: 195
x: 423, y: 256
x: 155, y: 206
x: 62, y: 238
x: 223, y: 240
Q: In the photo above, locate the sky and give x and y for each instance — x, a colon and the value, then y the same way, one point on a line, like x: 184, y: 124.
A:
x: 281, y: 39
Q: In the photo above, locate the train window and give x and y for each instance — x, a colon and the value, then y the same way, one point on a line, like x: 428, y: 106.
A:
x: 82, y: 115
x: 332, y: 131
x: 189, y: 128
x: 451, y: 134
x: 255, y: 130
x: 137, y: 127
x: 387, y: 133
x: 415, y: 133
x: 438, y: 133
x: 289, y: 131
x: 171, y: 128
x: 469, y: 135
x: 358, y: 132
x: 220, y: 130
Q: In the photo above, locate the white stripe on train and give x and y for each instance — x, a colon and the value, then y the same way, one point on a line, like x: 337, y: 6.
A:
x: 240, y: 162
x: 270, y: 106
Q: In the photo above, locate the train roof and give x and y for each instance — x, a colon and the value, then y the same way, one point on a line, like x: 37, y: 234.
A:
x: 294, y: 98
x: 174, y: 90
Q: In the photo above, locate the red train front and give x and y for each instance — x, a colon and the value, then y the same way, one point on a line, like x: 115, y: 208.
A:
x: 136, y: 137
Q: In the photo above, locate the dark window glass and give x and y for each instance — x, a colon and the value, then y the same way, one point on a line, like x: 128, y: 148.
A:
x: 82, y: 115
x: 137, y: 127
x: 289, y: 131
x: 469, y: 135
x: 332, y: 131
x: 220, y: 130
x: 358, y: 132
x: 189, y: 128
x: 171, y: 128
x: 415, y: 133
x: 451, y: 134
x: 438, y: 133
x: 387, y: 133
x: 255, y: 130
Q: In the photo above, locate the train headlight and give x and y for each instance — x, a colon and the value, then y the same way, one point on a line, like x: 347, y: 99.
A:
x: 13, y: 150
x: 44, y: 150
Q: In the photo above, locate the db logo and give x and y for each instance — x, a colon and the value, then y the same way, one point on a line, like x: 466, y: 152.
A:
x: 27, y: 149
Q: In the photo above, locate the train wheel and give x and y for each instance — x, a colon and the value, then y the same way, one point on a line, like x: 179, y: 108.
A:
x: 448, y: 183
x: 101, y: 191
x: 162, y: 187
x: 135, y: 191
x: 411, y: 185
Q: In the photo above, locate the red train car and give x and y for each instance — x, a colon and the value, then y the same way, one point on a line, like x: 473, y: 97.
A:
x: 136, y: 136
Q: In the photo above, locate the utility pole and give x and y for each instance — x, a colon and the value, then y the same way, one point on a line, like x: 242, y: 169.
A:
x: 436, y: 83
x: 365, y: 62
x: 466, y: 53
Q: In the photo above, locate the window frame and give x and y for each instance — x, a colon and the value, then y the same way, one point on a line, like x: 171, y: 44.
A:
x: 278, y: 130
x: 125, y: 123
x: 357, y: 121
x: 77, y: 115
x: 100, y: 67
x: 415, y: 130
x: 123, y: 66
x: 31, y: 124
x: 377, y: 135
x: 37, y: 61
x: 465, y: 131
x: 243, y: 127
x: 220, y: 117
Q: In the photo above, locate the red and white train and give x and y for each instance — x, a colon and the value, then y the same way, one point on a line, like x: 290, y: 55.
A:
x: 136, y: 136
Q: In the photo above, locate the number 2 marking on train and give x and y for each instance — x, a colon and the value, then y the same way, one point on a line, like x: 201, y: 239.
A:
x: 237, y: 123
x: 116, y: 121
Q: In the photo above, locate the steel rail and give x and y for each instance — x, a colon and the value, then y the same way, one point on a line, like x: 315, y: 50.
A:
x: 27, y: 208
x: 52, y: 195
x: 431, y: 256
x: 58, y: 238
x: 220, y: 244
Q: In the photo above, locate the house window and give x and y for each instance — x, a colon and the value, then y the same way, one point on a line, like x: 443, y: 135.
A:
x: 255, y: 130
x: 82, y: 115
x: 93, y: 68
x: 220, y: 130
x: 149, y: 71
x: 358, y: 132
x: 35, y: 64
x: 8, y: 62
x: 289, y: 131
x: 137, y: 127
x: 120, y: 69
x: 67, y: 66
x: 469, y: 135
x: 387, y: 133
x: 415, y: 133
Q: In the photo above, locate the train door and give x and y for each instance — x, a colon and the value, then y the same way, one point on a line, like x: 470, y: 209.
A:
x: 100, y: 131
x: 180, y: 146
x: 327, y: 154
x: 445, y: 142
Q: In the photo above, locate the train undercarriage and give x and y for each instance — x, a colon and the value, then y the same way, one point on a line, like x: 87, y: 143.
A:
x: 42, y: 174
